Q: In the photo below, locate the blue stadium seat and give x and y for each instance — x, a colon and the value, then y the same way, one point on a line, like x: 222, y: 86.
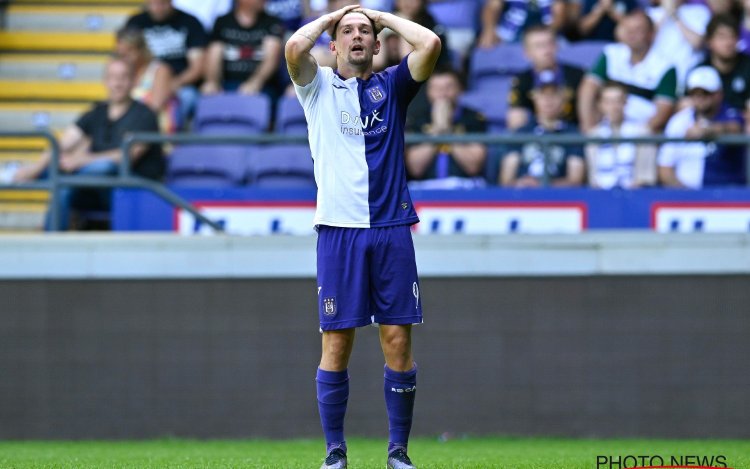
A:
x: 290, y: 117
x: 492, y: 102
x: 582, y: 54
x: 208, y: 166
x: 502, y: 61
x: 232, y: 114
x: 456, y: 13
x: 281, y: 166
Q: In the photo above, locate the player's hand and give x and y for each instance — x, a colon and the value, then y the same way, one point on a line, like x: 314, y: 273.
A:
x: 334, y: 17
x: 376, y: 17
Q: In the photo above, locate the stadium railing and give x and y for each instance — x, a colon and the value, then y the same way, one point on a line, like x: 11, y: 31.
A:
x: 125, y: 179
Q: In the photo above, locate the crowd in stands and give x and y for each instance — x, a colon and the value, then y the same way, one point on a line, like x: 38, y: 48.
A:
x: 634, y: 68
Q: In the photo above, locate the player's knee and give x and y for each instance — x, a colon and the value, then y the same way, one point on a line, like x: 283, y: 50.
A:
x: 397, y: 345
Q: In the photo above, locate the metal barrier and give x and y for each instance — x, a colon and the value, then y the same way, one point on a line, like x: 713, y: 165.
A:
x: 125, y: 179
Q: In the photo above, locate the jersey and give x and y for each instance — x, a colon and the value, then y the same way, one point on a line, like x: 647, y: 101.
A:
x: 356, y: 134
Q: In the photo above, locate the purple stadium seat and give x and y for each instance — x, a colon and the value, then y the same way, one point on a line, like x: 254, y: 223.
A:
x: 582, y: 54
x: 281, y: 166
x: 208, y: 166
x: 504, y: 60
x: 232, y: 114
x: 290, y: 117
x: 456, y: 13
x: 492, y: 102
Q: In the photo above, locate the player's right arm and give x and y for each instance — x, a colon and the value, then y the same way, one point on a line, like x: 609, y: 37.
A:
x: 300, y: 63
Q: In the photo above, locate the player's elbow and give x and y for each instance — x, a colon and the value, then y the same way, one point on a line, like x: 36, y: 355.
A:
x: 295, y: 47
x: 433, y: 45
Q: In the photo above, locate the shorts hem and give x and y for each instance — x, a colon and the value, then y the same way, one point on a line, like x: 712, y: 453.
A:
x: 400, y: 321
x: 335, y: 326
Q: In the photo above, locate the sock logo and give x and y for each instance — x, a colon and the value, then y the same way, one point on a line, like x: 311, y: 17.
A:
x: 403, y: 390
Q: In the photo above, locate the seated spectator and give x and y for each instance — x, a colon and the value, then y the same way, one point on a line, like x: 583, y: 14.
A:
x: 91, y: 146
x: 526, y: 165
x: 446, y: 116
x: 204, y: 11
x: 679, y: 33
x: 153, y: 79
x: 722, y: 34
x: 178, y: 39
x: 506, y: 20
x: 540, y: 46
x: 245, y: 51
x: 596, y: 19
x: 624, y: 165
x: 700, y: 164
x: 650, y: 78
x: 290, y: 12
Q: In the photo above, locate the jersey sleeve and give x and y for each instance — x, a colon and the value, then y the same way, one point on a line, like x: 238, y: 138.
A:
x: 599, y: 70
x: 308, y: 94
x: 403, y: 83
x: 667, y: 87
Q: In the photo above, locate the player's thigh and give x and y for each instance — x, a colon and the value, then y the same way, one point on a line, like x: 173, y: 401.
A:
x: 394, y: 283
x: 343, y: 278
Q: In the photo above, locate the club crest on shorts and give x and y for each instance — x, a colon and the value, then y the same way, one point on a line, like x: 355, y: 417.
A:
x: 329, y: 306
x: 376, y: 94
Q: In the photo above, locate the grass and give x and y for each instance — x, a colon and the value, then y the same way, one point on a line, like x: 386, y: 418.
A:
x: 469, y: 453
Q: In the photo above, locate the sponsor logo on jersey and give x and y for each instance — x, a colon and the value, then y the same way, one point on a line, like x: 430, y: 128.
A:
x: 353, y: 124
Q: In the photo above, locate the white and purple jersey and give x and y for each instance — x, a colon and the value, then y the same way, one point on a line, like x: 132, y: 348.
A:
x: 356, y: 133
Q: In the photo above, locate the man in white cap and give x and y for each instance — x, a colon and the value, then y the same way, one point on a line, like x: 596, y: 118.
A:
x: 699, y: 164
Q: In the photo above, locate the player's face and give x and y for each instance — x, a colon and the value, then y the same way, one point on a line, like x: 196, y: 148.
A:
x: 118, y: 78
x: 541, y: 49
x: 356, y: 42
x: 159, y: 10
x: 443, y: 87
x: 723, y: 43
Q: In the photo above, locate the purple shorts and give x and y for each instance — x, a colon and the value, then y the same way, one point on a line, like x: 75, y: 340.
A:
x: 366, y: 276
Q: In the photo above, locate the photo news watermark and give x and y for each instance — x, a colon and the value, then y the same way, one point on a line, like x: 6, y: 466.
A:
x: 656, y: 461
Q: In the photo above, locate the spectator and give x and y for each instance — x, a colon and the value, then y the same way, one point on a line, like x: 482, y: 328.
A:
x: 700, y: 164
x: 525, y: 165
x: 91, y: 147
x: 624, y: 165
x: 722, y: 34
x: 540, y: 47
x: 179, y: 40
x: 650, y: 78
x: 153, y: 79
x: 290, y: 12
x: 416, y: 11
x: 446, y: 116
x: 597, y: 19
x: 679, y: 33
x: 204, y: 11
x: 506, y: 20
x: 245, y: 51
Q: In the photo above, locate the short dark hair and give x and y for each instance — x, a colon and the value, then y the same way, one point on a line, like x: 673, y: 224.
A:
x: 336, y: 26
x: 722, y: 20
x: 448, y: 70
x: 537, y: 28
x: 643, y: 14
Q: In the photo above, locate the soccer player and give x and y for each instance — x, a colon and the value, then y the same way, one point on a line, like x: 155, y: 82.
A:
x: 366, y: 267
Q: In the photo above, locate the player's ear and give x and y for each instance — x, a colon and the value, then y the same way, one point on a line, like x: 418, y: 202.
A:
x: 376, y: 50
x: 332, y: 47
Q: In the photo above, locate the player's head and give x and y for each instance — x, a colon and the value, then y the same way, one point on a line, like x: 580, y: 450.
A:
x: 131, y: 46
x: 118, y: 79
x: 444, y: 84
x: 704, y: 89
x: 612, y: 100
x: 355, y: 40
x: 636, y: 30
x: 159, y: 10
x: 722, y: 33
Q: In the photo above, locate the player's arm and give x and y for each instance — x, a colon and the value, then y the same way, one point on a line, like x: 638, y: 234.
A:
x: 301, y: 65
x: 425, y: 43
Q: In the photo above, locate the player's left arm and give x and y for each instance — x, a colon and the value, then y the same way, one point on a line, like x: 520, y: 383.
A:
x: 426, y: 44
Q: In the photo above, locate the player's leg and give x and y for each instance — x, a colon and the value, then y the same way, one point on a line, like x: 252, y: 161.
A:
x: 397, y: 305
x: 342, y: 305
x: 332, y: 383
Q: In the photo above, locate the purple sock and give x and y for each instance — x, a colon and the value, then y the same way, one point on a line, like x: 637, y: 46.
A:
x: 333, y: 393
x: 400, y: 388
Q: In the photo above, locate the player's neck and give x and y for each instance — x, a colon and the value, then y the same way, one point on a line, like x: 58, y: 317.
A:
x: 346, y: 71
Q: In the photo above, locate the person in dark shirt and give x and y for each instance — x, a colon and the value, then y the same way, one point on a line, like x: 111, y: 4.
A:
x: 540, y: 46
x: 446, y: 116
x: 245, y: 51
x: 91, y: 146
x: 722, y: 34
x: 178, y: 39
x: 526, y: 165
x: 597, y: 19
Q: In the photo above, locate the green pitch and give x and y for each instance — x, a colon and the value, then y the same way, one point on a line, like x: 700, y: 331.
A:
x: 469, y: 453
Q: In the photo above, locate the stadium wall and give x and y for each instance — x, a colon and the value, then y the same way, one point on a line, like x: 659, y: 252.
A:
x: 560, y: 349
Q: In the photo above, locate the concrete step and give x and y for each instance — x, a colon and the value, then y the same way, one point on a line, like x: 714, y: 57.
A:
x: 52, y: 90
x: 50, y: 67
x: 36, y: 116
x: 18, y: 157
x: 37, y: 144
x: 99, y: 18
x: 42, y: 41
x: 133, y: 3
x: 21, y: 220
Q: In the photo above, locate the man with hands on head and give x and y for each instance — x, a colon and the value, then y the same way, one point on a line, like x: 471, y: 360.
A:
x: 366, y: 267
